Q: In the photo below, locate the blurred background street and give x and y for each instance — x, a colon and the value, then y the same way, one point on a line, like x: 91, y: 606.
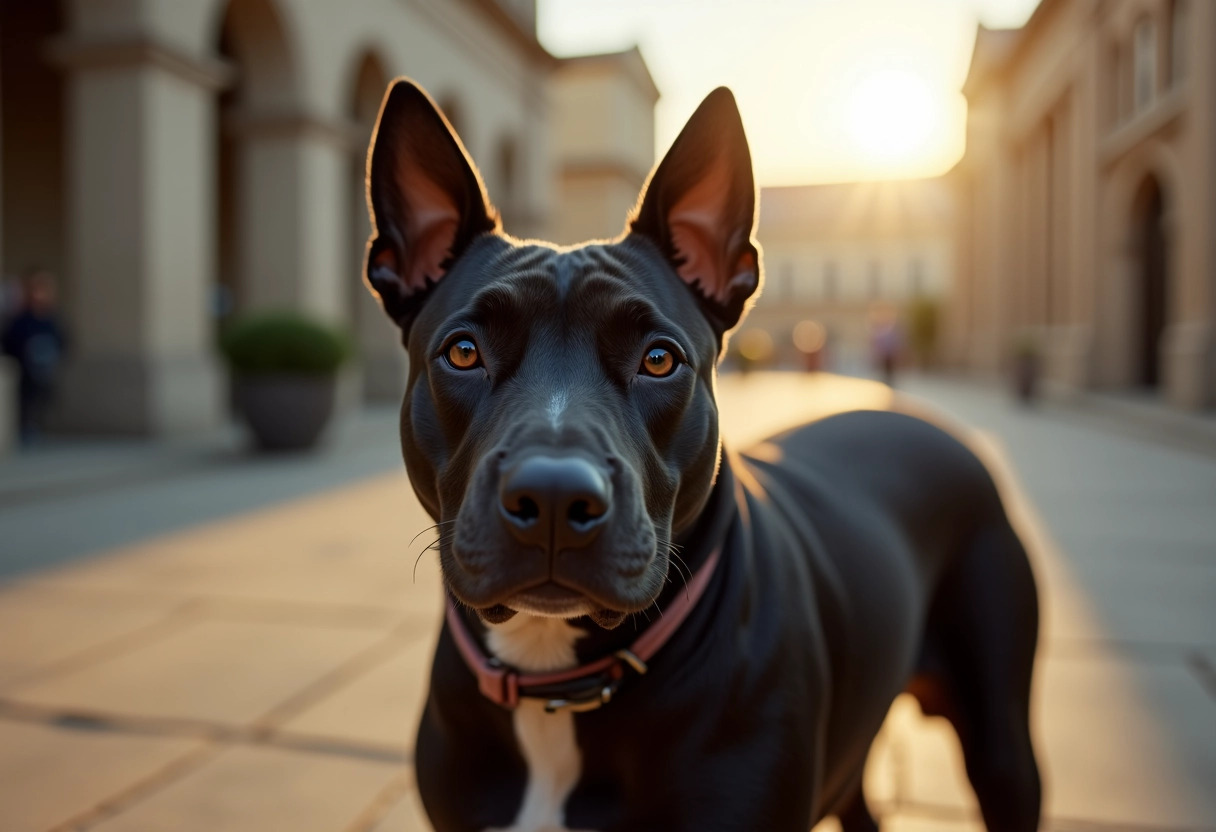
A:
x: 1004, y: 208
x: 191, y: 658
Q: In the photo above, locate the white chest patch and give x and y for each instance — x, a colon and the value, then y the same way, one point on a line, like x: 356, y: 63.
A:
x: 546, y: 741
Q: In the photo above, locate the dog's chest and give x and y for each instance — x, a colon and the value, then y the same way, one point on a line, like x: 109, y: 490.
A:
x: 546, y: 741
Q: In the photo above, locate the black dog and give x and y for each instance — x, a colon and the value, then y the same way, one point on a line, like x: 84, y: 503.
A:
x: 644, y: 633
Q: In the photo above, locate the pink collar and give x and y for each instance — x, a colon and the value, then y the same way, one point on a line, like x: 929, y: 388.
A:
x: 588, y: 686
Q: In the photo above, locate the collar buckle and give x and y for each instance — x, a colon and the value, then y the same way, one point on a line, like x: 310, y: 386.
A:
x: 600, y: 698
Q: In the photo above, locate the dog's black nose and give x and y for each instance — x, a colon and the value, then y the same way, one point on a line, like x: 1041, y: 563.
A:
x: 554, y: 503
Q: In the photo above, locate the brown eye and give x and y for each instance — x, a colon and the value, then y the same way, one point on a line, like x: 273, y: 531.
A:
x: 658, y: 362
x: 463, y: 355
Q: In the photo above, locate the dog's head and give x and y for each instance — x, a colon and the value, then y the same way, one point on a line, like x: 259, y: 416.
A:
x: 559, y: 421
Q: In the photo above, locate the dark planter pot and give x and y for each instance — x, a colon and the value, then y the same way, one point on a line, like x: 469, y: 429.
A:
x: 1026, y: 378
x: 286, y: 412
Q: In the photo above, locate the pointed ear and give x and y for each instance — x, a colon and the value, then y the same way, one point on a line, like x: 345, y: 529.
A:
x: 699, y: 207
x: 426, y: 199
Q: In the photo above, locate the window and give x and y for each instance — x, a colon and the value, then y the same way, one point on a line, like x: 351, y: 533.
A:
x: 1179, y: 20
x: 1123, y: 83
x: 1144, y: 63
x: 508, y: 174
x: 829, y: 280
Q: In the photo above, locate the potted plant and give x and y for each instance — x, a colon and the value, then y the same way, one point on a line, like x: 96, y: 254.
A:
x: 285, y: 369
x: 1027, y: 365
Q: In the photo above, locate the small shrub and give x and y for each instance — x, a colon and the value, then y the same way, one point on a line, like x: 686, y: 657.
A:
x: 283, y: 342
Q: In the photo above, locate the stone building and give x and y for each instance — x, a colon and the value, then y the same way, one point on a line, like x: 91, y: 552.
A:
x: 838, y: 254
x: 604, y: 106
x: 1087, y: 196
x: 175, y: 160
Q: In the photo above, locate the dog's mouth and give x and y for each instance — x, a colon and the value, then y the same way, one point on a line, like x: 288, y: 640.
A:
x: 552, y: 600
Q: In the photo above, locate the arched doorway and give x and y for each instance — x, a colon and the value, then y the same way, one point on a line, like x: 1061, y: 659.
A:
x: 371, y: 80
x: 1151, y: 292
x: 378, y: 340
x: 32, y: 183
x: 255, y: 184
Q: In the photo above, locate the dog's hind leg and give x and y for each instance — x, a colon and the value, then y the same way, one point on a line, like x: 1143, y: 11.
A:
x: 983, y: 629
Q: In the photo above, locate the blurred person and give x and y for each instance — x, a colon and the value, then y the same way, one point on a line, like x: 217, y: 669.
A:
x: 34, y: 338
x: 886, y: 340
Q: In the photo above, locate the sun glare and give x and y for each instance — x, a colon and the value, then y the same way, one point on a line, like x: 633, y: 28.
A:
x: 894, y: 116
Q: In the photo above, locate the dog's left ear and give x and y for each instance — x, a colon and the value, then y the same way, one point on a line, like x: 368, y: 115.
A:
x: 699, y: 206
x: 426, y: 199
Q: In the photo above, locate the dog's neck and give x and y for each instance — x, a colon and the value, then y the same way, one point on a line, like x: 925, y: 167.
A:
x: 536, y: 644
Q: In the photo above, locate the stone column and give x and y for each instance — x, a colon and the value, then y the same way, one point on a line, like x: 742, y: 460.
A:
x: 1188, y: 352
x: 1188, y: 345
x: 8, y: 390
x: 293, y: 238
x: 291, y: 213
x: 141, y: 238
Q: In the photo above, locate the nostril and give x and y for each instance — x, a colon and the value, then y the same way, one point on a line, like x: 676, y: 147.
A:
x: 585, y: 512
x: 523, y: 509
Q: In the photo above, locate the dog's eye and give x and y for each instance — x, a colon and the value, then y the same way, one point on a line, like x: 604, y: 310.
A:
x: 463, y: 354
x: 659, y: 362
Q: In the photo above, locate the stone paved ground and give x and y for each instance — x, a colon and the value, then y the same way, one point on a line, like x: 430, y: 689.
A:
x: 263, y: 669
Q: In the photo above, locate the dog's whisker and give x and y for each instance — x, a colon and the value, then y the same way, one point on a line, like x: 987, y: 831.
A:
x: 677, y: 561
x: 429, y: 529
x: 443, y: 536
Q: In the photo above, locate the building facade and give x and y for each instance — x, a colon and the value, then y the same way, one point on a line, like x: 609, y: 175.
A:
x: 604, y: 111
x: 1087, y: 198
x: 842, y: 254
x: 174, y: 162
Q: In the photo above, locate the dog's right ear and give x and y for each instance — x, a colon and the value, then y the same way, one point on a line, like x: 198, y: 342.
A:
x: 426, y: 199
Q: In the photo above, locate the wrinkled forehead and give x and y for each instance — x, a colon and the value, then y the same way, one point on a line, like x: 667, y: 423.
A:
x: 594, y: 288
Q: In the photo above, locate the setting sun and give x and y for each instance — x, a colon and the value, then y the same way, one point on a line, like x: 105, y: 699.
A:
x: 830, y: 91
x: 894, y: 116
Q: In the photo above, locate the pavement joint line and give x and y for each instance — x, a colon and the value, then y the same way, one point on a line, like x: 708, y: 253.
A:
x: 218, y: 602
x: 308, y: 615
x: 169, y: 463
x: 141, y: 789
x: 1204, y: 670
x: 1146, y: 652
x: 937, y: 811
x: 26, y: 495
x: 84, y: 719
x: 1089, y: 409
x: 1082, y: 825
x: 333, y: 746
x: 339, y: 677
x: 94, y: 720
x: 383, y: 803
x: 1132, y: 423
x: 173, y: 621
